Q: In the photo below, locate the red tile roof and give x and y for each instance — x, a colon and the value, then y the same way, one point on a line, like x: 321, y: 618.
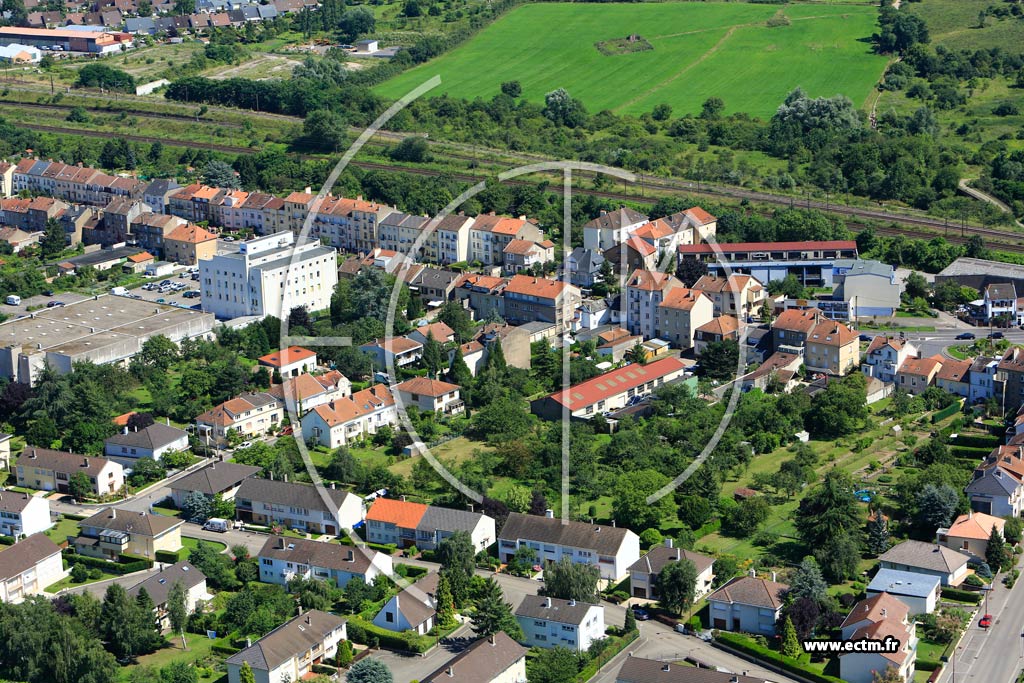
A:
x: 682, y: 299
x: 797, y: 320
x: 699, y: 216
x: 427, y: 387
x: 616, y: 382
x: 650, y: 280
x: 535, y: 286
x: 293, y: 354
x: 831, y: 333
x: 401, y: 513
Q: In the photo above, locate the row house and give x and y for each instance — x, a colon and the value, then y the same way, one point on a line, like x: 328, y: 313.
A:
x: 403, y: 524
x: 282, y: 559
x: 489, y: 234
x: 954, y: 377
x: 150, y: 230
x: 645, y: 290
x: 75, y: 184
x: 450, y: 238
x: 31, y: 215
x: 263, y: 213
x: 529, y: 299
x: 982, y: 379
x: 110, y: 533
x: 158, y: 194
x: 118, y: 217
x: 884, y: 357
x: 292, y: 650
x: 482, y: 293
x: 680, y: 314
x: 196, y: 203
x: 346, y: 420
x: 230, y: 211
x: 45, y: 469
x: 29, y: 567
x: 297, y: 207
x: 349, y: 224
x: 719, y: 329
x: 553, y: 622
x: 792, y: 328
x: 1009, y: 379
x: 917, y: 374
x: 611, y: 549
x: 611, y: 228
x: 399, y: 232
x: 736, y: 295
x: 633, y: 254
x: 996, y: 488
x: 520, y: 255
x: 189, y: 244
x: 585, y: 267
x: 302, y: 507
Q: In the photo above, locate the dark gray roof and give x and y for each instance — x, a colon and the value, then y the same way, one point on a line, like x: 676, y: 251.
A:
x: 26, y: 554
x: 314, y: 553
x: 925, y: 556
x: 128, y: 521
x: 1001, y: 290
x: 59, y: 461
x: 161, y: 185
x: 641, y: 670
x: 748, y: 590
x: 289, y: 493
x: 103, y: 255
x: 658, y: 556
x: 587, y: 260
x: 156, y: 435
x: 158, y: 586
x: 554, y: 609
x: 616, y: 219
x: 605, y: 540
x: 447, y: 519
x: 215, y: 478
x: 484, y: 660
x: 436, y: 278
x: 412, y: 608
x: 12, y: 501
x: 288, y: 640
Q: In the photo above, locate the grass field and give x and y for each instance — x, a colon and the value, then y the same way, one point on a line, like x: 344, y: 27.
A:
x: 700, y: 50
x: 954, y: 24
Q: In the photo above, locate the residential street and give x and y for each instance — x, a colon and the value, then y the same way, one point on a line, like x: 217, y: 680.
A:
x: 994, y: 655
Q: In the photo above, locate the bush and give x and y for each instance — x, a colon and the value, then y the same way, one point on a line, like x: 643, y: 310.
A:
x: 960, y: 595
x: 79, y: 572
x: 407, y: 641
x: 170, y: 557
x: 750, y: 647
x: 974, y: 581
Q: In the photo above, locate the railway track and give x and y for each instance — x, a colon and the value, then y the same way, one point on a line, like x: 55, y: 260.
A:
x: 912, y: 226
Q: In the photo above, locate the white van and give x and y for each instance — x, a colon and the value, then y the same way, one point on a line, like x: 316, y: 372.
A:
x: 217, y: 524
x: 13, y: 300
x: 119, y: 291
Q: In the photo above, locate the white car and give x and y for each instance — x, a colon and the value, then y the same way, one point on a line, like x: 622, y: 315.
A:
x: 244, y: 444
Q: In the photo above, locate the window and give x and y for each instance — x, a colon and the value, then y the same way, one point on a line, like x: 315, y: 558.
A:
x: 389, y: 617
x: 267, y: 562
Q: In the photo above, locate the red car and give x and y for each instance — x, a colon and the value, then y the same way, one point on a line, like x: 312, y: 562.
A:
x: 287, y: 431
x: 985, y: 621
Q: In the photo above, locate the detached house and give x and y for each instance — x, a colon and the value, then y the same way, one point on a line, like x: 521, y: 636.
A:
x: 282, y: 559
x: 996, y: 488
x: 553, y: 622
x: 611, y: 549
x: 917, y: 374
x: 23, y: 515
x: 251, y: 414
x: 920, y: 592
x: 930, y: 559
x: 643, y: 574
x: 291, y: 650
x: 431, y: 395
x: 150, y: 442
x: 399, y: 351
x: 495, y: 659
x: 747, y: 604
x: 1000, y: 304
x: 49, y: 470
x: 306, y: 391
x: 884, y: 357
x: 111, y: 532
x: 412, y: 609
x: 290, y: 362
x: 158, y: 586
x: 611, y: 228
x: 297, y: 506
x: 832, y: 348
x: 970, y: 533
x: 344, y: 420
x: 28, y: 567
x: 403, y: 524
x: 876, y: 619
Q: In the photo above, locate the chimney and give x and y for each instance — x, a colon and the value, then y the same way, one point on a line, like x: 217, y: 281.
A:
x: 248, y: 642
x: 403, y: 498
x: 271, y: 475
x: 451, y: 672
x: 113, y: 513
x: 285, y: 477
x: 168, y: 421
x: 85, y: 462
x: 679, y: 554
x: 490, y: 639
x: 280, y: 542
x: 613, y: 522
x: 753, y: 573
x: 333, y: 486
x: 469, y: 507
x: 773, y: 577
x: 308, y: 620
x: 572, y: 602
x: 666, y: 667
x: 547, y: 602
x: 549, y: 513
x: 124, y: 430
x: 885, y: 613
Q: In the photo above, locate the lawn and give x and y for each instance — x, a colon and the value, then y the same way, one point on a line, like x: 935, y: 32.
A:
x: 700, y: 50
x: 192, y: 543
x: 199, y: 653
x: 60, y: 531
x: 954, y: 24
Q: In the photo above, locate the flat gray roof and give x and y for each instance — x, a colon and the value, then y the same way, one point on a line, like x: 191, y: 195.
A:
x: 977, y: 266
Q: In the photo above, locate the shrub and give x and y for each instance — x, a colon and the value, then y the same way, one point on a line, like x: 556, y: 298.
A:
x: 751, y: 647
x: 960, y: 595
x: 79, y: 572
x: 974, y: 581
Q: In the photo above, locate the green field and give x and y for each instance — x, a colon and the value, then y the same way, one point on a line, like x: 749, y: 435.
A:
x: 700, y: 50
x: 954, y: 24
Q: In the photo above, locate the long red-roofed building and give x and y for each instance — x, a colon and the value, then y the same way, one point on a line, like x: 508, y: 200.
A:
x: 610, y: 391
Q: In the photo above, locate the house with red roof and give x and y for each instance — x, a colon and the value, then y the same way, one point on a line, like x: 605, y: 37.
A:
x: 490, y: 234
x: 716, y: 330
x: 610, y: 391
x: 248, y: 415
x: 431, y: 395
x: 832, y: 348
x: 404, y: 523
x: 917, y: 374
x: 954, y: 377
x: 529, y: 299
x: 885, y: 355
x: 873, y: 619
x: 738, y: 295
x: 290, y: 362
x: 644, y: 292
x: 344, y: 420
x: 679, y: 315
x: 791, y: 329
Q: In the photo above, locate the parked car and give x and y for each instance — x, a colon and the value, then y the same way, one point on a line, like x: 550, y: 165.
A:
x: 986, y: 621
x: 995, y: 335
x: 866, y: 337
x: 217, y: 524
x: 244, y: 444
x: 161, y: 300
x: 965, y: 335
x: 54, y: 304
x: 640, y: 614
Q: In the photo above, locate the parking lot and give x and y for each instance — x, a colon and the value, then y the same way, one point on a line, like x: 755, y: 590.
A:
x: 177, y: 290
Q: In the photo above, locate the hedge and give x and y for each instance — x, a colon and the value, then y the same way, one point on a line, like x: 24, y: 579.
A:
x: 969, y: 452
x: 949, y: 410
x: 171, y: 557
x: 961, y: 595
x: 976, y: 441
x: 404, y: 641
x: 747, y: 646
x: 77, y: 518
x: 618, y: 644
x: 926, y: 664
x: 6, y: 540
x: 388, y: 549
x: 126, y: 564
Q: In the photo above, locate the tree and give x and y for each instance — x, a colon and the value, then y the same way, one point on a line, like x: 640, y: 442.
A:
x: 344, y: 467
x: 629, y: 624
x: 839, y: 557
x: 719, y: 360
x: 345, y: 654
x: 890, y: 675
x: 413, y: 149
x: 629, y: 505
x: 356, y: 22
x: 127, y: 629
x: 177, y: 610
x: 369, y: 670
x: 677, y: 582
x: 456, y: 555
x: 553, y: 665
x: 219, y: 174
x: 357, y: 593
x: 1013, y: 529
x: 564, y: 110
x: 196, y: 507
x: 661, y: 112
x: 916, y: 286
x: 456, y: 317
x: 839, y: 410
x: 493, y: 614
x: 804, y: 614
x: 54, y: 241
x: 79, y: 572
x: 522, y: 561
x: 324, y: 130
x: 790, y: 643
x: 878, y: 534
x: 512, y: 88
x: 690, y: 270
x: 80, y: 486
x: 828, y: 511
x: 445, y: 604
x: 807, y: 582
x: 936, y: 506
x: 742, y: 519
x: 433, y: 356
x: 712, y: 108
x: 568, y: 580
x: 997, y: 554
x: 637, y: 354
x: 245, y: 674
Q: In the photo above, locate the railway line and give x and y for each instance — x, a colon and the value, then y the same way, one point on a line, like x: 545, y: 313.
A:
x: 899, y: 223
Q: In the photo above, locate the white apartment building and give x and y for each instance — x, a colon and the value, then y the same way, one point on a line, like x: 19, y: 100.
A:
x: 399, y: 232
x: 339, y: 422
x: 268, y: 276
x: 451, y: 237
x: 552, y: 622
x: 611, y: 228
x: 611, y: 549
x: 645, y: 290
x: 23, y: 515
x: 884, y: 357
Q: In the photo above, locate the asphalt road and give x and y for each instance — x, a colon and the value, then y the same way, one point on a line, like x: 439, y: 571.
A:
x: 994, y: 655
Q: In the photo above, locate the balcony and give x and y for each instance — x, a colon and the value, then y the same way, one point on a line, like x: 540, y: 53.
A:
x: 455, y: 407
